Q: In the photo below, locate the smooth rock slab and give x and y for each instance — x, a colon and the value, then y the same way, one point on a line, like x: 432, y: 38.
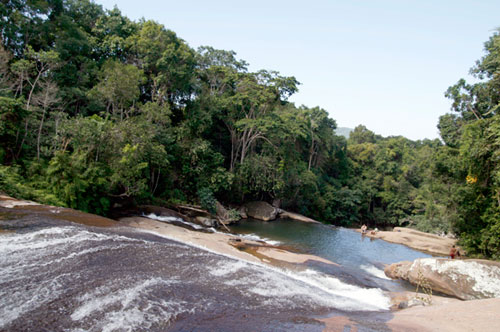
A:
x: 261, y: 210
x: 465, y: 279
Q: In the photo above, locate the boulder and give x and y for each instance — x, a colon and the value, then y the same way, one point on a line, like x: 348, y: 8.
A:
x: 224, y: 215
x: 261, y: 210
x: 465, y: 279
x: 208, y: 222
x: 243, y: 212
x: 277, y: 203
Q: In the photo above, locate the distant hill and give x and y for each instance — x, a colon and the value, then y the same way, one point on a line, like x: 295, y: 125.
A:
x: 343, y: 131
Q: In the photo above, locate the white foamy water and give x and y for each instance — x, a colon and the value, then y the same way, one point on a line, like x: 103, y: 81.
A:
x: 251, y: 237
x: 284, y: 287
x: 24, y: 254
x: 23, y: 298
x: 124, y: 309
x: 110, y: 282
x: 255, y: 237
x: 52, y: 237
x: 169, y: 219
x: 35, y: 255
x: 374, y: 271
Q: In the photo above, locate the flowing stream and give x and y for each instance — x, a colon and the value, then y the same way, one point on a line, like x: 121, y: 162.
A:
x: 61, y: 276
x: 356, y: 253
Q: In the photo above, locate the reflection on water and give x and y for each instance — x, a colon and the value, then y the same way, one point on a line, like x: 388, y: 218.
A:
x: 57, y: 276
x: 340, y: 245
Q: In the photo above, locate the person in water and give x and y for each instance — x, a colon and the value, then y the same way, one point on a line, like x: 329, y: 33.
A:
x: 363, y: 229
x: 453, y: 252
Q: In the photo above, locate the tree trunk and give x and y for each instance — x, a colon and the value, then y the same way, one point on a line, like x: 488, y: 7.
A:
x: 40, y: 134
x: 28, y: 104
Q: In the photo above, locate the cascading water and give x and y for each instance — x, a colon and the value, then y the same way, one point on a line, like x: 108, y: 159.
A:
x: 68, y: 277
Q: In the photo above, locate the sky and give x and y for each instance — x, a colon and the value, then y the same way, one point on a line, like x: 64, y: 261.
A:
x: 381, y: 63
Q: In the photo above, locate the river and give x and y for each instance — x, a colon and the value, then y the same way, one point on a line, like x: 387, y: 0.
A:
x: 356, y: 253
x: 61, y: 276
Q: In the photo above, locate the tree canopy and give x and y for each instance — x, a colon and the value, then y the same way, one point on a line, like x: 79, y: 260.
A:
x: 97, y: 111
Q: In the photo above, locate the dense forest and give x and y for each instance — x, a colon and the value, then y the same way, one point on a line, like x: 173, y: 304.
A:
x: 98, y: 111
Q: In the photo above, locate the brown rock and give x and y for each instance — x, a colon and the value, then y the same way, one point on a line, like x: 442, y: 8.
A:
x: 464, y: 279
x: 261, y: 210
x: 209, y: 222
x: 475, y: 315
x: 224, y: 215
x: 296, y: 216
x: 243, y: 212
x: 416, y: 240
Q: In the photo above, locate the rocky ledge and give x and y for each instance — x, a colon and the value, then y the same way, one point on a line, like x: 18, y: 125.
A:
x: 417, y: 240
x: 464, y: 279
x: 264, y: 211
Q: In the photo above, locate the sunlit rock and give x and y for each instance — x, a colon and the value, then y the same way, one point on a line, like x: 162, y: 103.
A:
x: 464, y: 279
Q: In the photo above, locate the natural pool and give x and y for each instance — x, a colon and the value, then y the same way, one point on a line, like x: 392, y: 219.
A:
x: 343, y: 246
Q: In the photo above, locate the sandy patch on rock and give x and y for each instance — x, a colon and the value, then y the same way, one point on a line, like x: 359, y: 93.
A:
x: 56, y: 212
x: 290, y: 257
x: 296, y: 216
x: 406, y: 296
x: 9, y: 202
x: 453, y: 316
x: 213, y: 241
x: 221, y: 243
x: 338, y: 324
x: 416, y: 240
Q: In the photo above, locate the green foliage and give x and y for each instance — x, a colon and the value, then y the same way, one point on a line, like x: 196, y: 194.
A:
x: 118, y: 87
x: 12, y: 114
x: 96, y: 109
x: 207, y: 200
x: 78, y: 184
x: 14, y: 183
x: 261, y: 175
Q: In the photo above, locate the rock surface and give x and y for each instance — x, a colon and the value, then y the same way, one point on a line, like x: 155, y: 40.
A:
x: 416, y: 240
x: 56, y: 212
x: 9, y: 202
x: 465, y: 279
x: 224, y: 215
x: 243, y: 212
x: 261, y: 210
x: 296, y: 216
x: 209, y: 222
x: 467, y: 316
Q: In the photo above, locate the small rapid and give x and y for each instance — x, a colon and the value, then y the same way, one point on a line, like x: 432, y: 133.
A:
x: 359, y: 255
x: 196, y: 227
x: 60, y: 276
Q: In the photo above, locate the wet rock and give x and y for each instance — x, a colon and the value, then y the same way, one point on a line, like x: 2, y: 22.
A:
x: 208, y: 222
x: 465, y: 279
x: 403, y: 305
x: 243, y: 212
x: 226, y: 216
x: 261, y: 210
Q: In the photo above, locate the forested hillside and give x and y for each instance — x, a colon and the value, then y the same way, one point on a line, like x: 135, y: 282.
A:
x: 98, y: 111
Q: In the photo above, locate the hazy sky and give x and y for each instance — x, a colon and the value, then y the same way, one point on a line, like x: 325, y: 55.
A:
x: 384, y: 64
